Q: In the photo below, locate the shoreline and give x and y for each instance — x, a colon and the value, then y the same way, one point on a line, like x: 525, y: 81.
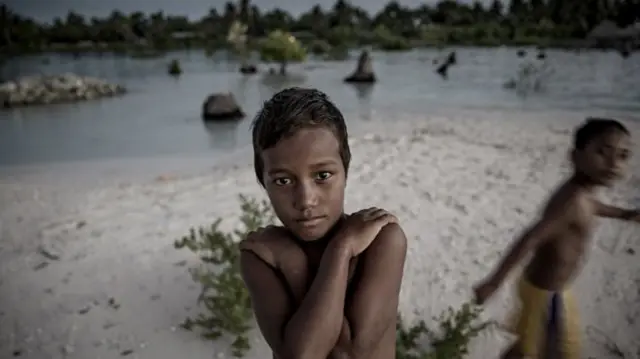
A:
x: 463, y: 186
x: 146, y: 168
x: 150, y: 52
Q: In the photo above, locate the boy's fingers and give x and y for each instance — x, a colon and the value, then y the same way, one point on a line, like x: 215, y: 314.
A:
x: 376, y: 214
x: 387, y: 218
x: 366, y: 210
x: 370, y: 213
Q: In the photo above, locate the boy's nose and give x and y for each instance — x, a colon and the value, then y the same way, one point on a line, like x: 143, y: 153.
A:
x: 613, y: 163
x: 306, y: 196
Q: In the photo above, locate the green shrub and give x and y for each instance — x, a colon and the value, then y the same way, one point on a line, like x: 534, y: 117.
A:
x: 223, y: 295
x: 450, y: 341
x: 319, y: 47
x: 227, y: 305
x: 457, y: 328
x: 342, y: 36
x: 386, y: 40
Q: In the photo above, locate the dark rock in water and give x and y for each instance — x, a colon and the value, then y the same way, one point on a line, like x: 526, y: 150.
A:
x: 452, y: 59
x: 541, y: 56
x: 221, y: 106
x: 174, y: 68
x: 248, y: 69
x: 364, y: 70
x: 624, y: 52
x: 521, y: 53
x: 443, y: 69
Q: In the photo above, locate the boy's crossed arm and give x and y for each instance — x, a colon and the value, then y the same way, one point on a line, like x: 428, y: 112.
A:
x: 374, y: 305
x: 319, y: 326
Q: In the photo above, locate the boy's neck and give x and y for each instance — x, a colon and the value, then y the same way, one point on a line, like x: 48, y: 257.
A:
x: 324, y: 241
x: 584, y: 182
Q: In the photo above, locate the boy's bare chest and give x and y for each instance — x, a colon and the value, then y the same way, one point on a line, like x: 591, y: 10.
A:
x: 300, y: 268
x: 568, y: 249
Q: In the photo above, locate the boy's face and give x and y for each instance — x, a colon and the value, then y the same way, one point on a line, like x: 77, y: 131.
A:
x: 305, y: 180
x: 605, y: 158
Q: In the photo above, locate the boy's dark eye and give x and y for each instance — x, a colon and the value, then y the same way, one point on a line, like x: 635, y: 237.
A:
x: 624, y: 156
x: 282, y: 181
x: 323, y: 175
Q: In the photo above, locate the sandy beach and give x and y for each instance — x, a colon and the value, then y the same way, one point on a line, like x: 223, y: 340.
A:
x: 462, y: 187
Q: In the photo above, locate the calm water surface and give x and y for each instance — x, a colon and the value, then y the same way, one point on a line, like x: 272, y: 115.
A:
x: 160, y: 116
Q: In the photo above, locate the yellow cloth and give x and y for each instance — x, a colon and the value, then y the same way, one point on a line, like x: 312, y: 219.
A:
x: 547, y: 322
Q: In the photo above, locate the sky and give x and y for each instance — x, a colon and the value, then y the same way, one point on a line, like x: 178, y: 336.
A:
x: 46, y: 10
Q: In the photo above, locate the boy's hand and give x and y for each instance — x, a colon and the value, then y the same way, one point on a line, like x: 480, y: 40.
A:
x: 634, y: 215
x: 361, y: 228
x: 268, y: 243
x: 484, y: 291
x: 274, y: 245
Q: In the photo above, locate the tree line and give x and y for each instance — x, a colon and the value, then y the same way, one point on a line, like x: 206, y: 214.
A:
x: 521, y: 22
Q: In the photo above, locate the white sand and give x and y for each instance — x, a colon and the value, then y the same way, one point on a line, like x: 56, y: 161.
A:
x: 462, y: 188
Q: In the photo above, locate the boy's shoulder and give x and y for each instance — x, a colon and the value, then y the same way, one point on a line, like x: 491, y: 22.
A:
x: 269, y: 243
x: 566, y: 201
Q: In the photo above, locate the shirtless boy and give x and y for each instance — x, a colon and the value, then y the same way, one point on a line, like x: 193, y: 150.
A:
x: 326, y: 284
x: 547, y: 325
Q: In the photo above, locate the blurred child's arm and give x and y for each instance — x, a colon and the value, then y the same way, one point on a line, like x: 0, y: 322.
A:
x: 607, y: 211
x: 548, y: 227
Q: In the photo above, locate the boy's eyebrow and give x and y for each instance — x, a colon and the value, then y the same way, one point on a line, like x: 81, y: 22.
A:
x: 610, y: 146
x: 276, y: 170
x: 319, y: 164
x: 323, y: 163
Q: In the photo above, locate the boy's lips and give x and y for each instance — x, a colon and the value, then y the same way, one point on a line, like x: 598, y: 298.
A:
x: 310, y: 221
x: 611, y: 175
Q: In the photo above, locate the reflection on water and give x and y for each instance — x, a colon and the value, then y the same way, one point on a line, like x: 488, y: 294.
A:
x: 275, y: 82
x: 223, y: 135
x: 161, y: 115
x: 364, y: 93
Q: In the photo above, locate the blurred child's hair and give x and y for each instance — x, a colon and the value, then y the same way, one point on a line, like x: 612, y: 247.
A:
x: 594, y: 127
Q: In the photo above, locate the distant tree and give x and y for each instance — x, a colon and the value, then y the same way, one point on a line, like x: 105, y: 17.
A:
x: 517, y: 9
x: 343, y: 25
x: 283, y: 48
x: 496, y: 9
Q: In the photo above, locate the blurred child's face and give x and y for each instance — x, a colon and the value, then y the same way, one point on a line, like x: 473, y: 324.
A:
x: 305, y: 180
x: 605, y: 158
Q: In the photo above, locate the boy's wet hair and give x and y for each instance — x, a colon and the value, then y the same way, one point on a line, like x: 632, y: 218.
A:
x: 293, y: 109
x: 594, y: 127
